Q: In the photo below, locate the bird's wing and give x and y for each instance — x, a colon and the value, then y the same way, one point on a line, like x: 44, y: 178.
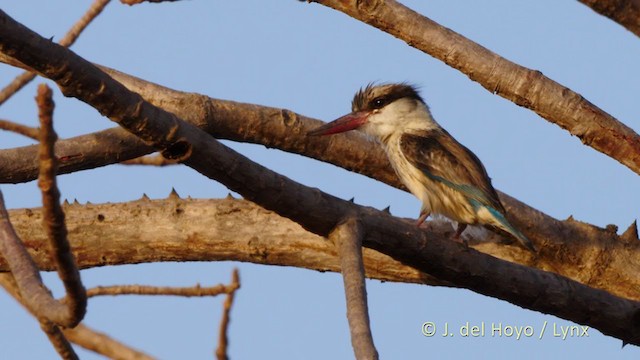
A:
x: 441, y: 158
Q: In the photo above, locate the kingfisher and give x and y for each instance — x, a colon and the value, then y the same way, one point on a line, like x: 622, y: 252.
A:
x: 443, y: 174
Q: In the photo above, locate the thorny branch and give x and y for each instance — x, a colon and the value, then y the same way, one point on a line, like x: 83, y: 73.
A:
x: 314, y: 210
x: 217, y: 230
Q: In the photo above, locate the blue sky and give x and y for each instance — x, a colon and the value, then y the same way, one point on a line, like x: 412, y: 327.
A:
x: 311, y: 59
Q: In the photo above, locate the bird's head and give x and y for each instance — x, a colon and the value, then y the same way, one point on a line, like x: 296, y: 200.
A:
x: 381, y: 111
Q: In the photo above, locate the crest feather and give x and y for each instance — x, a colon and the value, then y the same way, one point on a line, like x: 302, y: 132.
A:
x: 367, y: 98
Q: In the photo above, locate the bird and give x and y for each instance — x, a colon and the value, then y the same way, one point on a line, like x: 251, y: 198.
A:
x: 443, y: 174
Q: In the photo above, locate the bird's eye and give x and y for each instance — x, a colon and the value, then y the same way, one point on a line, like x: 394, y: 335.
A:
x: 379, y: 102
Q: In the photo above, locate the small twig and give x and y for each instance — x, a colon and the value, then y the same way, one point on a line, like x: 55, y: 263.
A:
x: 14, y: 86
x: 103, y: 344
x: 72, y: 35
x: 347, y: 238
x: 223, y: 339
x: 53, y: 216
x: 160, y: 290
x: 155, y: 160
x: 25, y: 130
x: 94, y: 10
x: 55, y: 335
x: 135, y: 2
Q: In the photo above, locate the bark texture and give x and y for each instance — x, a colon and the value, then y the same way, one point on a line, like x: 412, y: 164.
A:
x: 215, y: 230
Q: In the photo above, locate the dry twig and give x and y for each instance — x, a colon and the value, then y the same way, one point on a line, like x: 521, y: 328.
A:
x: 25, y: 130
x: 160, y: 290
x: 53, y: 216
x: 103, y: 344
x: 80, y: 335
x: 223, y: 339
x: 135, y: 2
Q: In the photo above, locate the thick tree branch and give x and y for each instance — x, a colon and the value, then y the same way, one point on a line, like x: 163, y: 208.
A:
x: 347, y: 237
x: 624, y: 12
x: 216, y: 230
x: 316, y: 211
x: 525, y: 87
x: 79, y: 153
x: 212, y: 229
x: 581, y: 251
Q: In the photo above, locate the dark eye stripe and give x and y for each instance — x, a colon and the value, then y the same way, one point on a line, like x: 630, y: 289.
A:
x: 364, y: 100
x: 379, y: 102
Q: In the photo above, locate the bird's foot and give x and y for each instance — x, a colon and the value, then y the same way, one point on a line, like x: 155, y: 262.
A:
x: 421, y: 219
x: 457, y: 235
x: 459, y: 231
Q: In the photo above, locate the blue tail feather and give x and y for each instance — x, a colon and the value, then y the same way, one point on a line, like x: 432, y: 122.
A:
x: 506, y: 225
